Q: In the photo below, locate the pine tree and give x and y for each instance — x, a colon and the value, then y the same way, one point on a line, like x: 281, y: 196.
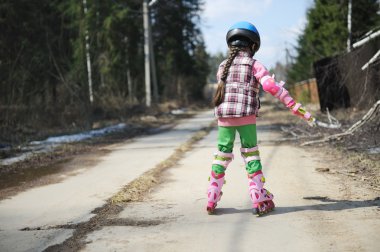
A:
x: 43, y: 57
x: 178, y: 45
x: 326, y: 33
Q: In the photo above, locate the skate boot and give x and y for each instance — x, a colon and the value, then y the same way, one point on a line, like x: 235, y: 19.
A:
x: 214, y: 192
x: 261, y: 198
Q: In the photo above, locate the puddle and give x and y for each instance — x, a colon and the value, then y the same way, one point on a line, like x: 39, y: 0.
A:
x: 17, y: 177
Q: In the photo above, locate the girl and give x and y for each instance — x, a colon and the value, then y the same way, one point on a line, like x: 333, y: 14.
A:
x: 236, y: 107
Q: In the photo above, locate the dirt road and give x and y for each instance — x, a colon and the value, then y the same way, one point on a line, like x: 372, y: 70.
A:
x: 314, y: 211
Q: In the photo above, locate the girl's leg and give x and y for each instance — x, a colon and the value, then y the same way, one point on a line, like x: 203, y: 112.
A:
x: 249, y: 149
x: 226, y: 137
x: 261, y: 198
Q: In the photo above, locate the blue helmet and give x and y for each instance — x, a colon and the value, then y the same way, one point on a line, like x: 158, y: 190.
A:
x: 243, y: 34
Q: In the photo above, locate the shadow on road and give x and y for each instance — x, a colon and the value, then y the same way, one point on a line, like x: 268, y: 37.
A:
x: 230, y: 210
x: 332, y: 205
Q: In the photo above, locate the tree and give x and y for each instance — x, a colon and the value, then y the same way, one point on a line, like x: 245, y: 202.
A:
x: 43, y: 58
x: 214, y: 62
x: 179, y: 48
x: 326, y: 32
x: 365, y: 17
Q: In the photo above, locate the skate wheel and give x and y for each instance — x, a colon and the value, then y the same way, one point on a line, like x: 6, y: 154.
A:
x: 211, y: 208
x: 256, y: 211
x: 270, y: 205
x: 263, y: 208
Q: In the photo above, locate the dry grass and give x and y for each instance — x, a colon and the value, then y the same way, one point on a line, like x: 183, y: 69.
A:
x: 348, y: 155
x: 136, y: 190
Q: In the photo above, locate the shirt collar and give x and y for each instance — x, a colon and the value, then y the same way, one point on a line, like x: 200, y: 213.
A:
x: 245, y: 54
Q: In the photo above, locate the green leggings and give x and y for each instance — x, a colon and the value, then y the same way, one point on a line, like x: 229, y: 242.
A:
x: 248, y: 138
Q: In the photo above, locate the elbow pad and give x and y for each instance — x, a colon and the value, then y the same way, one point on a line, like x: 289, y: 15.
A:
x: 277, y: 90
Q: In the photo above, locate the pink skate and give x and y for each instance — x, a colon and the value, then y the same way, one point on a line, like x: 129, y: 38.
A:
x: 261, y: 198
x: 214, y: 192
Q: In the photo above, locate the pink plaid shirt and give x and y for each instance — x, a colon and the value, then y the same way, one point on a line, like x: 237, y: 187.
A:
x: 242, y: 87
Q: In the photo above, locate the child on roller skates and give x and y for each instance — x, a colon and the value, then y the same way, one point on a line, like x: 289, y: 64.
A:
x: 236, y: 107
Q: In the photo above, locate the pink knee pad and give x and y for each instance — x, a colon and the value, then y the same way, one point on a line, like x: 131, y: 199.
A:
x: 247, y: 159
x: 228, y: 157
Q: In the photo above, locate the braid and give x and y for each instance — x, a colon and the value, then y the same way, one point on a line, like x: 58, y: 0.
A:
x: 219, y: 94
x: 233, y: 52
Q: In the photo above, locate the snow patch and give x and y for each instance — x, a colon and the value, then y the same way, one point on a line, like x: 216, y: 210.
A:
x: 49, y: 144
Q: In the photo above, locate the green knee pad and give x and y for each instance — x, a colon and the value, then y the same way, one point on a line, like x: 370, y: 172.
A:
x: 218, y: 169
x: 253, y: 166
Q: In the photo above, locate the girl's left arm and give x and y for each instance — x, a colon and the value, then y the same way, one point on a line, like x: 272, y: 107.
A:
x: 277, y: 90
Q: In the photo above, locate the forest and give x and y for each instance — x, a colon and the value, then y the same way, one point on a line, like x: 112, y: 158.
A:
x: 48, y: 48
x: 45, y: 47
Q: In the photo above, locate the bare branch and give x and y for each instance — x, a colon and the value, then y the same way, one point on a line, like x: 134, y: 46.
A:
x: 366, y: 118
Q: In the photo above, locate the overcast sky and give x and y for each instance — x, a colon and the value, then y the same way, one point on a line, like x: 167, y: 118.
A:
x: 279, y: 23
